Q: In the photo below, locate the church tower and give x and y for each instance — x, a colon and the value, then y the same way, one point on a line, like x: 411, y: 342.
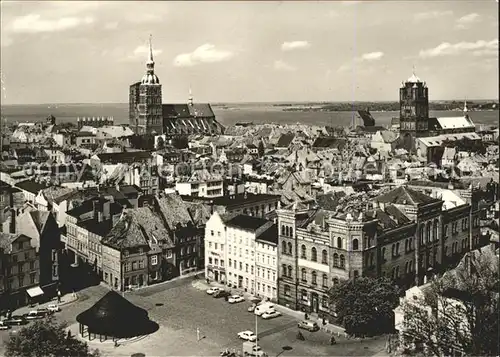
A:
x: 145, y: 101
x: 414, y: 111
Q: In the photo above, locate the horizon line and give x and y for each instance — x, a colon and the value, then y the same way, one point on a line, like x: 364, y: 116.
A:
x: 258, y: 102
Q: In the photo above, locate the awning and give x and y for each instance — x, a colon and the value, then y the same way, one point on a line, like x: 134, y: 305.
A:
x: 36, y: 291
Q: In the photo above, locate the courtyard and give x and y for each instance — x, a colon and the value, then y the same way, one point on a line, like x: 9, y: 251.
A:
x: 181, y: 309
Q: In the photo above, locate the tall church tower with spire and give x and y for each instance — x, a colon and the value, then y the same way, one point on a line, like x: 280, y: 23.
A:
x: 414, y: 111
x: 145, y: 101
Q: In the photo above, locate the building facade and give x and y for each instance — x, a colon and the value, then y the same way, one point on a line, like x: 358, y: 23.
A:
x: 404, y: 235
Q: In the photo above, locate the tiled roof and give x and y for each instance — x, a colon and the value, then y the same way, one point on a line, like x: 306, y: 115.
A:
x: 199, y: 212
x: 57, y: 194
x: 405, y: 195
x: 245, y: 222
x: 330, y: 201
x: 30, y: 186
x: 329, y: 142
x: 270, y: 235
x: 175, y: 111
x: 285, y: 140
x: 125, y: 157
x: 201, y: 110
x: 174, y: 211
x: 115, y: 131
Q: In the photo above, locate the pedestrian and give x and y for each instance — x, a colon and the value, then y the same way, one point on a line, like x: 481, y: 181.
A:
x: 197, y: 333
x: 58, y: 296
x: 332, y: 341
x: 208, y: 281
x: 306, y: 316
x: 324, y: 321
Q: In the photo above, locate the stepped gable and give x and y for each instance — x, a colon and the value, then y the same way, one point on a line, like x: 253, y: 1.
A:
x: 113, y: 315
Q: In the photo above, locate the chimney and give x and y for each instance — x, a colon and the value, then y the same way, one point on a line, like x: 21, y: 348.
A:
x: 106, y: 211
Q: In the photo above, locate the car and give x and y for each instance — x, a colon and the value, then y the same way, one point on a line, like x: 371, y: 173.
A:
x: 270, y: 314
x: 263, y: 307
x: 251, y: 308
x: 4, y: 325
x: 311, y: 326
x: 44, y: 311
x: 221, y: 293
x: 213, y: 289
x: 247, y: 335
x: 234, y: 299
x: 53, y: 308
x: 251, y: 349
x: 35, y: 315
x: 16, y: 320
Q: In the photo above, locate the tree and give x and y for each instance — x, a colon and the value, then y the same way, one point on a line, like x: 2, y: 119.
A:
x: 457, y: 313
x: 364, y: 306
x: 46, y: 338
x: 160, y: 143
x: 261, y: 149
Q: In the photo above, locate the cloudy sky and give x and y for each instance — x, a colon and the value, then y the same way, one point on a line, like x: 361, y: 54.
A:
x: 82, y: 52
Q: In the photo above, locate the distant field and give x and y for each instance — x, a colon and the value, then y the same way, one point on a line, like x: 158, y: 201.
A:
x: 227, y: 115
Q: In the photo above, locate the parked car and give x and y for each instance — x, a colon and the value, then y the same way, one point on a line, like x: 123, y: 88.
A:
x: 45, y: 311
x: 251, y: 308
x: 234, y: 299
x: 53, y: 308
x: 4, y: 325
x: 247, y: 335
x: 35, y: 315
x: 308, y: 325
x: 213, y: 289
x: 251, y: 349
x: 16, y: 320
x: 263, y: 307
x: 270, y: 314
x: 221, y: 294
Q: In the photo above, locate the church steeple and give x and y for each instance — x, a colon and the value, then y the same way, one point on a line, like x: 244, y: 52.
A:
x: 150, y: 64
x: 190, y: 99
x: 465, y: 107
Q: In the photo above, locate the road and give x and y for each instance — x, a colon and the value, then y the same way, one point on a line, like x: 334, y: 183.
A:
x: 180, y: 309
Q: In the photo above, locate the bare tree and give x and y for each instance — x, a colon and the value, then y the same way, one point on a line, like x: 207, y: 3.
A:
x: 457, y: 313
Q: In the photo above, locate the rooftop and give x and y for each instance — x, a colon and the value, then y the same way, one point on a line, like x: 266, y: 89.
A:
x: 247, y: 223
x: 405, y: 196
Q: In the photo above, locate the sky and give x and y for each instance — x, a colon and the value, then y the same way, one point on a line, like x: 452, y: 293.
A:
x: 238, y: 51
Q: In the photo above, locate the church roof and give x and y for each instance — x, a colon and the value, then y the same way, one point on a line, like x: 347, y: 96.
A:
x: 112, y: 316
x: 413, y: 79
x: 455, y: 122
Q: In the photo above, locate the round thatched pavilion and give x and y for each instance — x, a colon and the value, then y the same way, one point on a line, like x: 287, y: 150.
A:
x: 114, y: 317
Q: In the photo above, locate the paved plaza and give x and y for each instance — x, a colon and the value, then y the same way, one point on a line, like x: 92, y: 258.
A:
x: 181, y: 307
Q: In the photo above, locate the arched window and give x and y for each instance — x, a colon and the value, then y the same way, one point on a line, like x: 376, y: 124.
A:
x: 325, y: 280
x: 339, y: 242
x: 314, y: 278
x: 314, y: 254
x: 324, y: 257
x: 290, y: 251
x: 421, y: 234
x: 289, y: 271
x: 428, y: 232
x: 335, y: 260
x: 286, y: 231
x: 303, y: 275
x: 283, y: 247
x: 282, y: 230
x: 291, y: 232
x: 342, y: 261
x: 303, y: 252
x: 283, y: 267
x: 335, y: 281
x: 355, y: 244
x: 287, y: 290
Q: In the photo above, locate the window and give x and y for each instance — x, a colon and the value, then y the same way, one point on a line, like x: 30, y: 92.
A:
x: 303, y: 295
x: 325, y: 280
x: 428, y: 232
x: 283, y: 247
x: 169, y: 253
x: 32, y: 278
x: 314, y: 254
x: 290, y: 271
x: 215, y: 246
x: 282, y: 230
x: 303, y: 251
x: 324, y: 257
x: 241, y: 266
x: 286, y: 231
x: 21, y: 280
x: 383, y: 255
x: 209, y: 260
x: 339, y: 242
x: 287, y: 290
x: 342, y: 261
x: 20, y: 267
x: 335, y: 281
x: 314, y: 278
x: 222, y: 262
x: 210, y: 244
x: 355, y: 244
x: 154, y: 260
x: 212, y: 233
x: 356, y: 274
x: 246, y: 268
x: 335, y: 260
x: 291, y: 232
x: 32, y: 265
x: 324, y: 301
x: 216, y: 261
x: 290, y: 248
x: 303, y: 275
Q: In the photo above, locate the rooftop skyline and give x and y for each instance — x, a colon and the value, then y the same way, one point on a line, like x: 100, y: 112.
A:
x: 90, y: 52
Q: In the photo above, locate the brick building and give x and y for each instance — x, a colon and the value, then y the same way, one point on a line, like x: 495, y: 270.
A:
x: 403, y: 234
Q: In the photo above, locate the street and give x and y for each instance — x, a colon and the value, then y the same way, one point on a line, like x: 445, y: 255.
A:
x: 180, y: 309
